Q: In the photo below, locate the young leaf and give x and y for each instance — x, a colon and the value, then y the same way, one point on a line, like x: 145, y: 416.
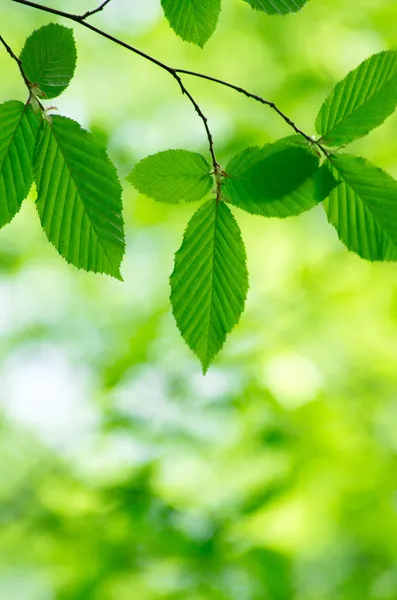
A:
x: 193, y: 20
x: 277, y: 7
x: 18, y: 131
x: 173, y: 176
x: 49, y: 58
x: 361, y: 101
x: 210, y: 281
x: 363, y: 208
x: 278, y: 180
x: 79, y: 197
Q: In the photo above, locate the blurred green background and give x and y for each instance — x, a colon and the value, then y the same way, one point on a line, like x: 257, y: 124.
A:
x: 126, y: 474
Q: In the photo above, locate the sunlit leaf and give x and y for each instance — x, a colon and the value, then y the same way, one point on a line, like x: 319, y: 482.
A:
x: 363, y: 208
x: 49, y: 58
x: 173, y: 176
x: 361, y: 101
x: 18, y: 130
x: 210, y: 280
x: 193, y: 20
x: 79, y: 197
x: 277, y: 7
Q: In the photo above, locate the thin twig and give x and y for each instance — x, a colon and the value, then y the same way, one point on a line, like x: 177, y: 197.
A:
x: 248, y: 94
x: 89, y: 13
x: 18, y: 61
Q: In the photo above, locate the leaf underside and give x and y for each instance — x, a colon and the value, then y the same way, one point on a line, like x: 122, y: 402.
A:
x: 18, y: 130
x: 192, y: 20
x: 279, y: 180
x: 363, y: 208
x: 49, y: 58
x: 79, y: 197
x: 173, y: 176
x: 277, y: 7
x: 361, y: 101
x: 210, y: 281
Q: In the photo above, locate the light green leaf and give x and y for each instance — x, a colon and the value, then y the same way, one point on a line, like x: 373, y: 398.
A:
x: 18, y: 131
x: 277, y: 7
x: 361, y: 101
x: 49, y: 58
x: 193, y: 20
x: 79, y: 197
x: 210, y: 280
x: 363, y: 208
x: 173, y: 176
x: 279, y: 180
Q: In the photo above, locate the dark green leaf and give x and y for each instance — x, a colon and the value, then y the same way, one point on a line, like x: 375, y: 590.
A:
x: 278, y: 180
x: 49, y: 58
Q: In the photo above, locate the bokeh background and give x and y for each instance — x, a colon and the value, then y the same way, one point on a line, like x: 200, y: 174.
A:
x: 126, y: 474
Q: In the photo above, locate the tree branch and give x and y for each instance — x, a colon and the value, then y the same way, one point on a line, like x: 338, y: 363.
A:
x: 176, y: 74
x: 18, y: 61
x: 89, y: 13
x: 158, y: 63
x: 254, y: 97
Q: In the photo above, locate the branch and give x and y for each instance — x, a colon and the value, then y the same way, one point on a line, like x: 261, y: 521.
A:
x: 176, y: 74
x: 18, y: 61
x: 81, y: 19
x: 254, y: 97
x: 89, y: 13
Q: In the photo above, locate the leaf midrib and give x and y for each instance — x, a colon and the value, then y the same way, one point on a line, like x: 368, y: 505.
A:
x: 80, y: 198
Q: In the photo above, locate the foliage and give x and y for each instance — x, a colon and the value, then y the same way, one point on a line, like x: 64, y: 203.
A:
x: 79, y: 197
x: 125, y: 472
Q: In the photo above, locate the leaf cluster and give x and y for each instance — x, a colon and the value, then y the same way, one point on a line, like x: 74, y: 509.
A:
x: 79, y: 196
x: 281, y: 180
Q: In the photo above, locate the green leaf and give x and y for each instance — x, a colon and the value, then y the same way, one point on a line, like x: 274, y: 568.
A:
x: 277, y: 7
x: 193, y: 20
x: 18, y: 131
x: 278, y: 180
x: 361, y: 101
x: 210, y: 281
x: 79, y: 197
x: 49, y: 58
x: 363, y: 208
x: 173, y: 176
